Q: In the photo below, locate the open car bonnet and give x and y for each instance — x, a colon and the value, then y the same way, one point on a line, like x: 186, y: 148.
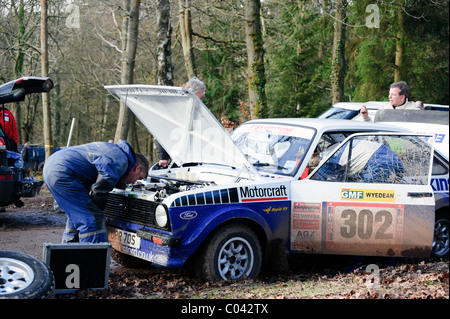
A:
x: 183, y: 125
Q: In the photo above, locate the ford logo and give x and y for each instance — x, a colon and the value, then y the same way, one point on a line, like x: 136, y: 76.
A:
x: 188, y: 215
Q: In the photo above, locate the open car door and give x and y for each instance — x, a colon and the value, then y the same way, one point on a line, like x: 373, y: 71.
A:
x: 371, y: 196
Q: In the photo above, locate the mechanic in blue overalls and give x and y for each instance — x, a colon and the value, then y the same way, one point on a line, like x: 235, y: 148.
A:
x: 80, y: 178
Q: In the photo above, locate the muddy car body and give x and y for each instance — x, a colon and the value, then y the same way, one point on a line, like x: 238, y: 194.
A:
x: 230, y: 202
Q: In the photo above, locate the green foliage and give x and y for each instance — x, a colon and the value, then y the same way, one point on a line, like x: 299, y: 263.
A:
x: 297, y: 36
x: 371, y: 53
x: 298, y: 61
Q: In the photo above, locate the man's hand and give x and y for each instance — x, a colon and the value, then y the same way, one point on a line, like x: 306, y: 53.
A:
x: 364, y: 113
x: 163, y: 163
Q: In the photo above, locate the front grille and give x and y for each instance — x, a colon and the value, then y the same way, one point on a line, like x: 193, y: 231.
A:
x: 129, y: 209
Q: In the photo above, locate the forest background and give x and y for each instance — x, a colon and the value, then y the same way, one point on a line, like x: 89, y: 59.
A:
x: 258, y: 58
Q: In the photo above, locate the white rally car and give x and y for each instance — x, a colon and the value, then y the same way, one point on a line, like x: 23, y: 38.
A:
x: 436, y: 124
x: 305, y: 185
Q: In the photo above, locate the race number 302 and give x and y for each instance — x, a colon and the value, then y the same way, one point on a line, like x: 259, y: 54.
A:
x: 364, y: 228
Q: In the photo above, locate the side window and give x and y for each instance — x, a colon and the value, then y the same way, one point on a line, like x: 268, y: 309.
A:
x: 328, y: 142
x: 439, y: 168
x: 397, y: 159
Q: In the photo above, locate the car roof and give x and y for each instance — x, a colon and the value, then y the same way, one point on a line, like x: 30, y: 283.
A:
x: 376, y: 105
x: 329, y: 124
x: 356, y: 106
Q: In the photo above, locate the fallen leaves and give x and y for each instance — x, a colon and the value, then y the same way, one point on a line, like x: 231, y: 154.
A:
x: 423, y: 280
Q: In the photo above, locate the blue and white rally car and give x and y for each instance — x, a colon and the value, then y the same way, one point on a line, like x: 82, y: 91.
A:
x: 302, y: 185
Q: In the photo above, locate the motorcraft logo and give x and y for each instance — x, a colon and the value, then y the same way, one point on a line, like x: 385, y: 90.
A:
x: 256, y: 194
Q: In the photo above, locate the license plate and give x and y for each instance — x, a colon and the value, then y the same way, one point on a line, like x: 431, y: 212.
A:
x: 124, y: 238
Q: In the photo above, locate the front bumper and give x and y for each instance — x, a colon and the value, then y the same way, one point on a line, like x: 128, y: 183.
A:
x: 158, y: 237
x: 155, y: 246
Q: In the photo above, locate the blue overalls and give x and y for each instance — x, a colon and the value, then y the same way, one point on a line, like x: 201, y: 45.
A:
x: 80, y: 178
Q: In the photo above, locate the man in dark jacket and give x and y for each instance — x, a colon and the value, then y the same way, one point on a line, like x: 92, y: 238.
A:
x: 80, y: 178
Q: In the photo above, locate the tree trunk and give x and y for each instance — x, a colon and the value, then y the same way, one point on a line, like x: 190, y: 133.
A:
x: 48, y: 142
x: 56, y: 110
x: 338, y: 62
x: 186, y: 37
x: 164, y: 40
x: 105, y: 118
x: 29, y: 118
x: 255, y: 54
x: 19, y: 59
x: 130, y: 37
x: 399, y: 45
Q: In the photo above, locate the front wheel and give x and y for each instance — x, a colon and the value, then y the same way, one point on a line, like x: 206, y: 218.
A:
x: 233, y: 252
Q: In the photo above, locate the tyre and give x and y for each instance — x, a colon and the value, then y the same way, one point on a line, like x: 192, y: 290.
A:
x: 233, y: 252
x: 24, y: 277
x: 441, y: 233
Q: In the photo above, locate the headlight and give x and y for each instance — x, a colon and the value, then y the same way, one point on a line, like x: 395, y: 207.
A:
x: 161, y: 216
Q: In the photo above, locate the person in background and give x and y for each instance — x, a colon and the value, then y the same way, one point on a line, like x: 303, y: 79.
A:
x: 198, y: 88
x: 398, y: 99
x: 80, y: 178
x: 8, y: 123
x: 25, y: 153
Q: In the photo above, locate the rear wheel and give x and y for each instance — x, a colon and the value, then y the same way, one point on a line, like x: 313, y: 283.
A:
x: 441, y: 236
x: 233, y: 252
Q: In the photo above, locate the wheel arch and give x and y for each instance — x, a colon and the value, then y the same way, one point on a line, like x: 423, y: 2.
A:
x: 262, y: 233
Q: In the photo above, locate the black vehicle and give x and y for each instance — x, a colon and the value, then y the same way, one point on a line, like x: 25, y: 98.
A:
x: 13, y: 185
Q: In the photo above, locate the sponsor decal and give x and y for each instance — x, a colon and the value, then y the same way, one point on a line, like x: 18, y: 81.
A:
x: 305, y: 227
x: 271, y: 209
x: 306, y: 207
x: 439, y: 184
x: 188, y: 215
x: 255, y: 194
x: 273, y: 129
x: 439, y: 138
x: 368, y: 195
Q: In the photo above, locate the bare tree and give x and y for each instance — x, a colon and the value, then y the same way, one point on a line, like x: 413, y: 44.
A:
x: 48, y: 141
x: 130, y: 38
x: 399, y: 44
x: 163, y: 50
x: 255, y: 54
x: 184, y: 16
x: 338, y: 60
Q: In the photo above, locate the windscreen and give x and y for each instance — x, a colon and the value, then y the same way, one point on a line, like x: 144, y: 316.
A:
x: 274, y: 149
x: 338, y: 113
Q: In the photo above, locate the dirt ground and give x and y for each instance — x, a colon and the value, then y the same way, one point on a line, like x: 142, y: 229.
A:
x: 26, y: 229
